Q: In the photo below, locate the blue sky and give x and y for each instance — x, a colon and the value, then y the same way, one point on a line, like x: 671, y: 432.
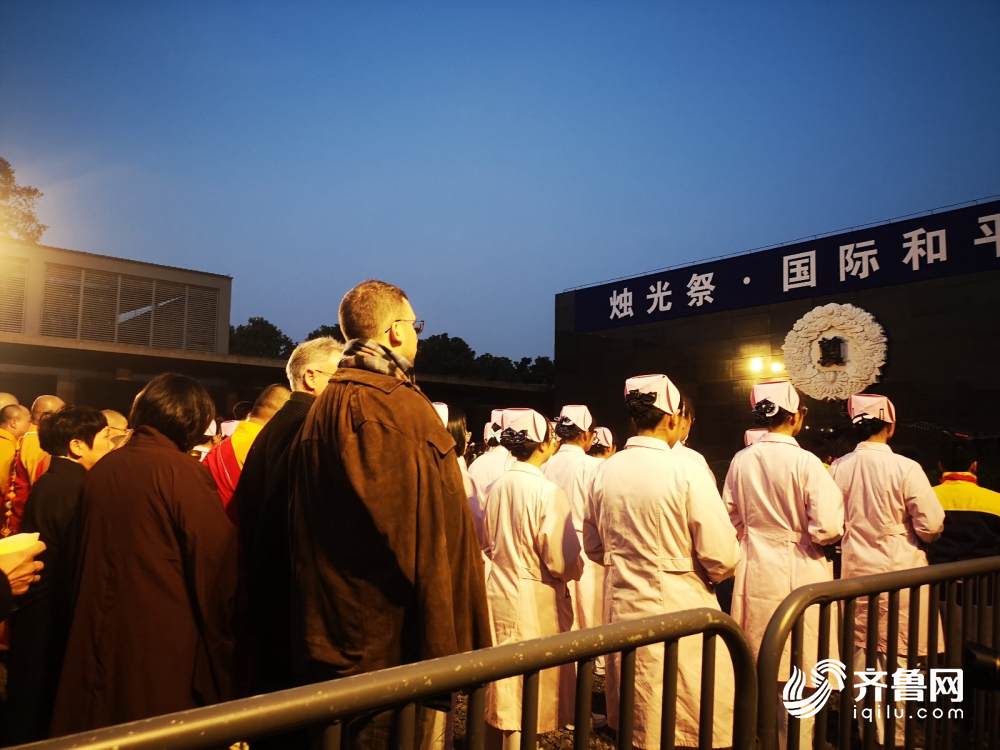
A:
x: 485, y: 156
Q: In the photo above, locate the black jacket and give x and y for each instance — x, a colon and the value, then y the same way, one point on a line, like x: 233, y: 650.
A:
x: 39, y: 626
x: 261, y: 499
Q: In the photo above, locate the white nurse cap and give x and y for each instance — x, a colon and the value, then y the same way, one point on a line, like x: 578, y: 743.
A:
x: 779, y: 393
x: 665, y: 394
x: 526, y: 422
x: 577, y: 415
x: 603, y: 436
x: 862, y: 405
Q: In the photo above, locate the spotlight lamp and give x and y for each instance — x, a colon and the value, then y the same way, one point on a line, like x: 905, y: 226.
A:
x: 756, y: 364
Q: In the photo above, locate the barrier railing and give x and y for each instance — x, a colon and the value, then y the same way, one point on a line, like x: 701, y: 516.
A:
x: 963, y: 592
x: 401, y: 689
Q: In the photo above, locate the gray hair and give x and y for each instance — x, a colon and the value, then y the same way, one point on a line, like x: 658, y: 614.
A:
x: 309, y: 353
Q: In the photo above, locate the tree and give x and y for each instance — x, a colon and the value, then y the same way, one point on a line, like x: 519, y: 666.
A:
x: 488, y: 367
x: 332, y: 331
x: 259, y: 338
x: 442, y: 354
x: 543, y: 370
x: 17, y: 207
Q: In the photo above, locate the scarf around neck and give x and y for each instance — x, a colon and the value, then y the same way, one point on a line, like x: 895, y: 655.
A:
x: 367, y: 354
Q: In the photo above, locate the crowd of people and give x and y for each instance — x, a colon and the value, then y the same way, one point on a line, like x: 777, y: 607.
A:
x: 170, y: 560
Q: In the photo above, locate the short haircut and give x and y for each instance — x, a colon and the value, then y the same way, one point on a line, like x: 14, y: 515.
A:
x: 269, y: 401
x: 241, y: 410
x: 307, y: 354
x: 177, y: 406
x: 12, y: 411
x: 958, y: 455
x: 369, y: 308
x: 74, y: 422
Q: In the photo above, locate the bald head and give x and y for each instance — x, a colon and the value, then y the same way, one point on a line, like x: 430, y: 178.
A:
x: 6, y: 399
x: 15, y: 419
x: 268, y: 402
x: 45, y: 405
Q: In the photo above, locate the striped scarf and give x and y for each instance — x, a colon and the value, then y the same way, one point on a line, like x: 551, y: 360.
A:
x: 367, y: 354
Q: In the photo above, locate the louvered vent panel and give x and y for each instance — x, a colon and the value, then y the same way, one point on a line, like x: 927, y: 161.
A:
x: 100, y: 299
x: 61, y: 303
x: 168, y: 316
x: 13, y: 277
x: 134, y: 308
x: 202, y: 318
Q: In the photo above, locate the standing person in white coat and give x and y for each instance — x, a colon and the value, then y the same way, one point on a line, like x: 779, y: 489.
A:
x: 490, y: 466
x: 657, y: 523
x: 891, y: 509
x: 687, y: 422
x: 573, y: 470
x: 786, y: 509
x: 603, y: 445
x: 493, y: 464
x: 535, y: 553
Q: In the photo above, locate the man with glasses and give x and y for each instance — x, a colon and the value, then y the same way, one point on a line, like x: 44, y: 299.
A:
x: 385, y: 555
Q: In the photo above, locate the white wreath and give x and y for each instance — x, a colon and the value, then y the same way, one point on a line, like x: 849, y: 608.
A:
x: 865, y: 346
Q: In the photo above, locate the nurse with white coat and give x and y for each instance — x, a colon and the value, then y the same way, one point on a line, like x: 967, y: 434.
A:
x: 785, y: 508
x: 535, y: 553
x: 891, y: 510
x: 573, y: 470
x: 658, y: 524
x: 681, y: 446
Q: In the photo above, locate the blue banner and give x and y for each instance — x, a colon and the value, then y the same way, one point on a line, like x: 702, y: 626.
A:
x: 966, y: 240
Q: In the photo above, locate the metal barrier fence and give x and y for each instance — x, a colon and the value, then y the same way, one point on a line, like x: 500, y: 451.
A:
x: 962, y: 591
x: 330, y: 704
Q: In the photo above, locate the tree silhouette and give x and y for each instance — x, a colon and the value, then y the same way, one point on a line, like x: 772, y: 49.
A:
x: 17, y: 207
x: 442, y: 354
x: 324, y: 330
x: 259, y: 338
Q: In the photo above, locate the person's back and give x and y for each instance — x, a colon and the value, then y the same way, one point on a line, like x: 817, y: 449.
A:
x: 658, y: 524
x: 490, y: 466
x: 535, y: 554
x: 385, y: 556
x: 151, y: 629
x: 644, y: 493
x: 971, y: 512
x: 891, y: 510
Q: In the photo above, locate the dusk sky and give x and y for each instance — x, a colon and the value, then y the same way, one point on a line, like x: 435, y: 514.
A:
x: 485, y: 156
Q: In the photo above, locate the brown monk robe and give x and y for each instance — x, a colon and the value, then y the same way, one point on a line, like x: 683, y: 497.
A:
x: 385, y: 555
x: 151, y: 628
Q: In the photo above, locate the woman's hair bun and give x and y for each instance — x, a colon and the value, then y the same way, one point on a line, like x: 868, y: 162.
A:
x: 638, y: 404
x: 765, y: 413
x: 510, y: 439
